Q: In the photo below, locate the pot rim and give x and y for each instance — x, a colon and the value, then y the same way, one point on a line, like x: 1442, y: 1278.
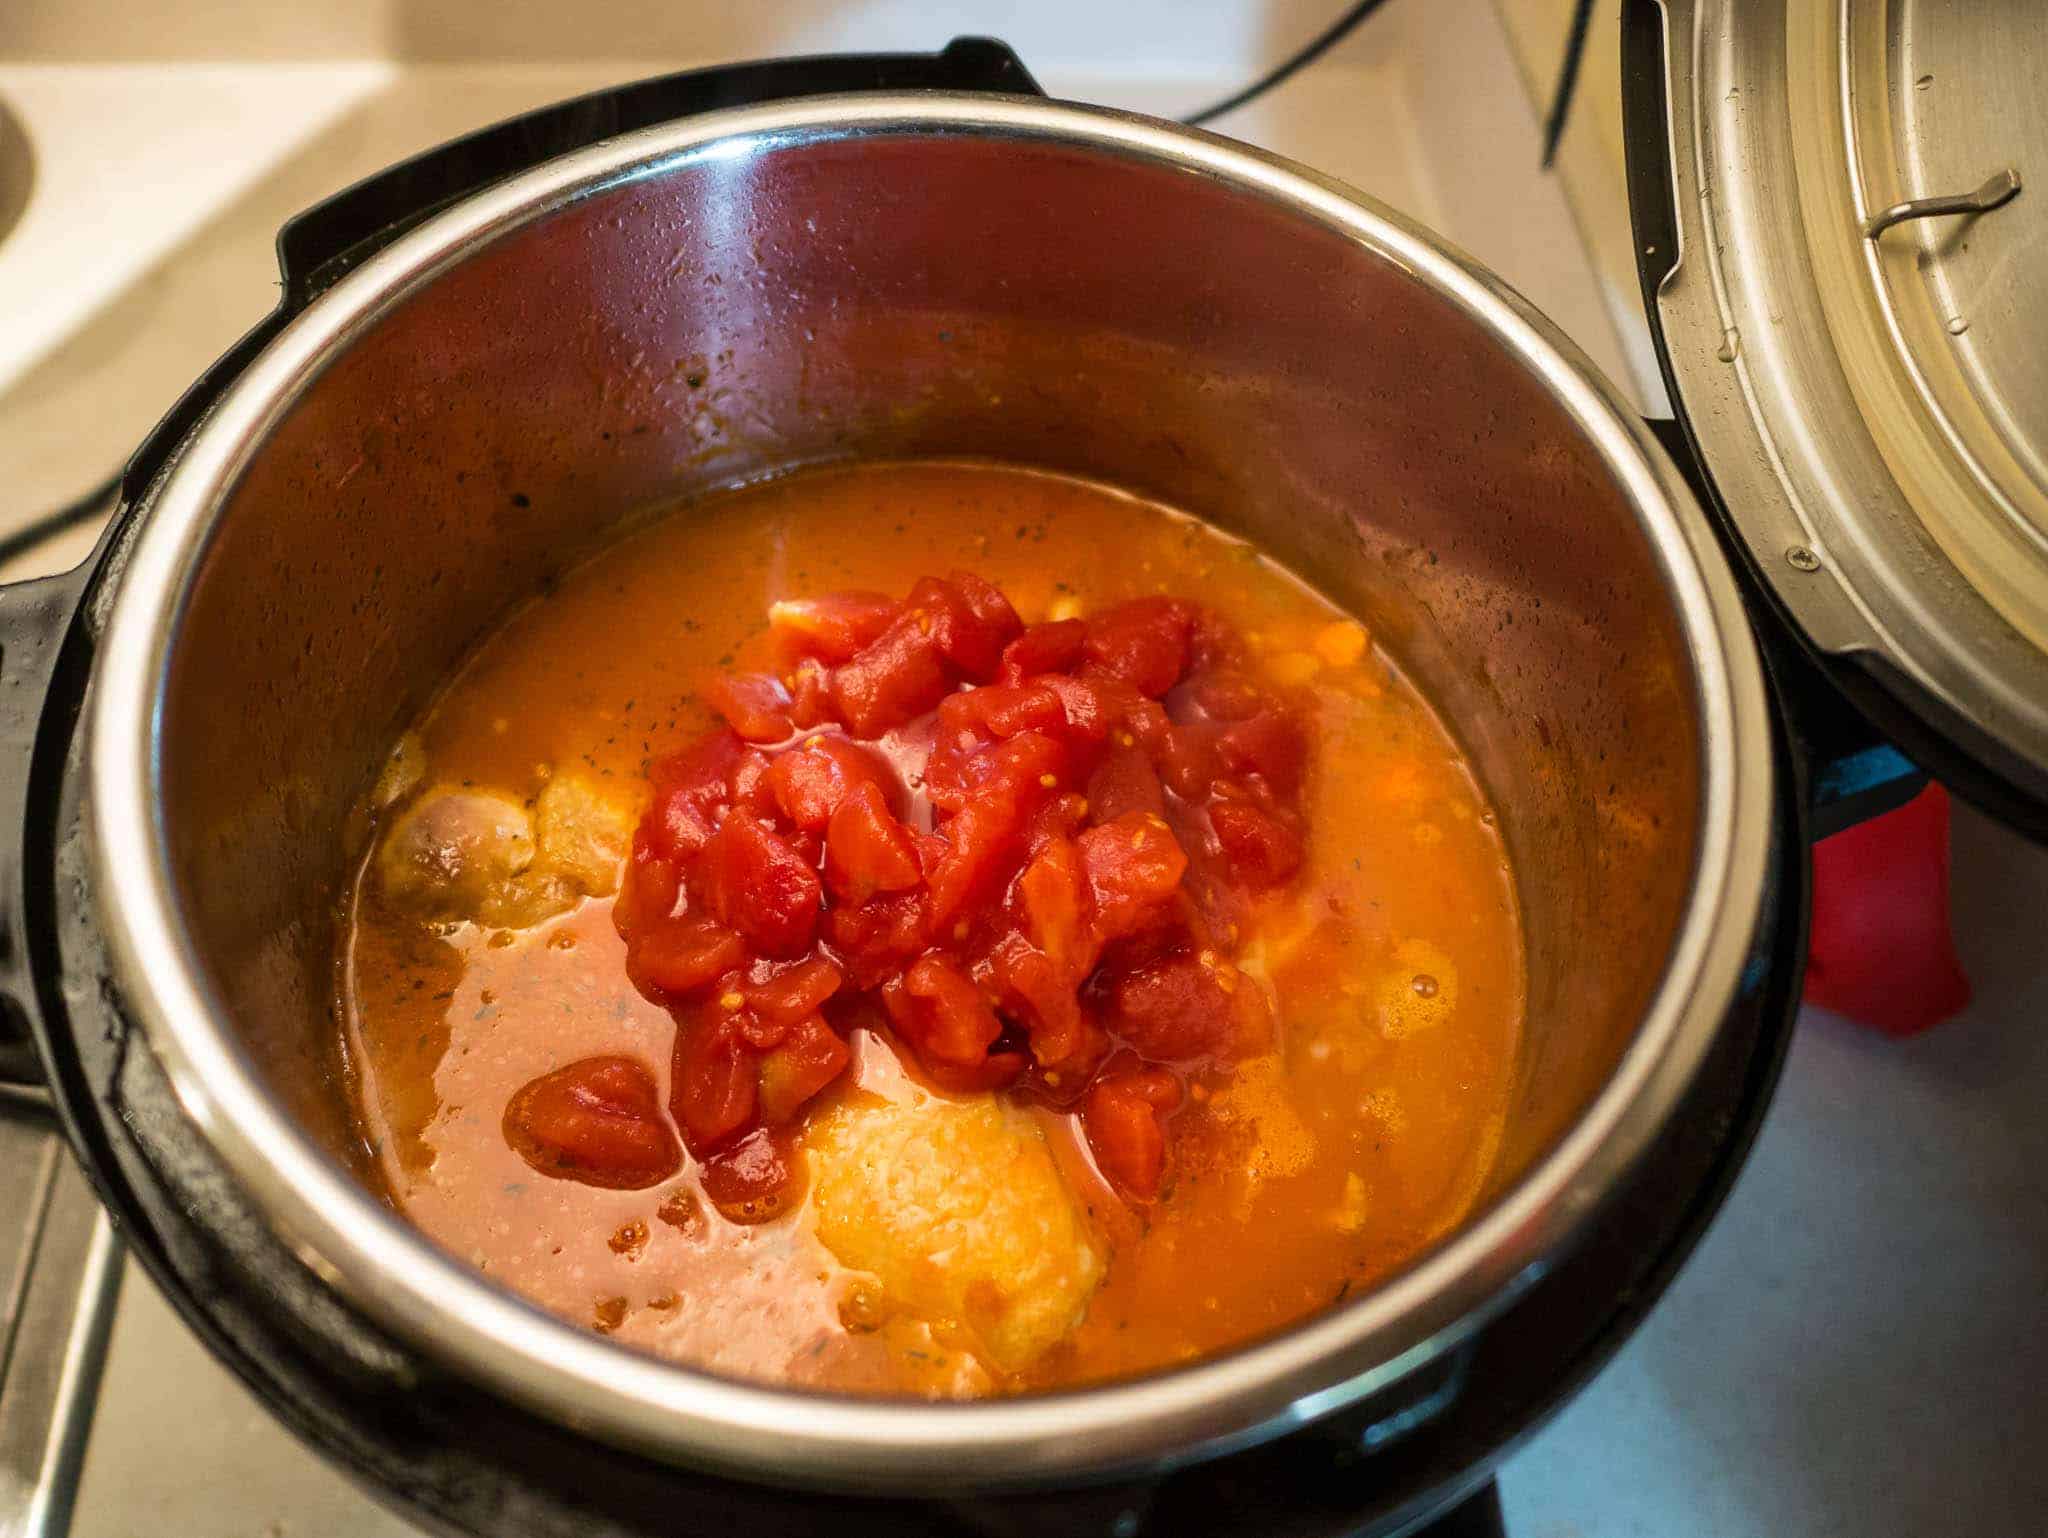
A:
x: 452, y: 1314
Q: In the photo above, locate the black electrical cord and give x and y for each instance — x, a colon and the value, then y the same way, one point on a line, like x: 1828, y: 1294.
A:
x: 1342, y: 27
x: 1316, y: 47
x: 49, y: 525
x: 1567, y: 80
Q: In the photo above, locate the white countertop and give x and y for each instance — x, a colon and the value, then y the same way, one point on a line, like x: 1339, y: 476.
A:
x: 1854, y: 1349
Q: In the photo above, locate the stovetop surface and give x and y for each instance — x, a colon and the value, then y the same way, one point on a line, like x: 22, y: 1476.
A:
x: 1855, y: 1347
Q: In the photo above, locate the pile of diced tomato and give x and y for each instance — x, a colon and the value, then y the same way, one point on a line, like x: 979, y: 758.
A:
x: 1023, y: 851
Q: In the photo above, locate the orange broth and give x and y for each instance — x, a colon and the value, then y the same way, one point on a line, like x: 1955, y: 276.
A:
x: 1393, y: 960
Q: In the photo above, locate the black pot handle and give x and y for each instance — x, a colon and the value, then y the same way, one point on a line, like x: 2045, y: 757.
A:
x: 34, y: 618
x: 319, y: 246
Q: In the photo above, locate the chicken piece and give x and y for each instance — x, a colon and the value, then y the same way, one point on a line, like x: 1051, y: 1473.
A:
x: 477, y: 854
x: 959, y: 1212
x: 457, y: 854
x: 584, y: 835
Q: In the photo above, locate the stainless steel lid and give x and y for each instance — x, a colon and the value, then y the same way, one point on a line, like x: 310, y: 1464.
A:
x: 1857, y: 331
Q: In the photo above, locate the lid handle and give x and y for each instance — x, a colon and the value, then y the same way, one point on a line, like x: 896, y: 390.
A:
x: 1999, y: 188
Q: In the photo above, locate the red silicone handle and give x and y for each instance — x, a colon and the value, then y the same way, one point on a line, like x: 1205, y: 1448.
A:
x: 1881, y: 952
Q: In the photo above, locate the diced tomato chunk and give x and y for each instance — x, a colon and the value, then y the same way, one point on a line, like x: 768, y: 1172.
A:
x: 1143, y: 642
x: 760, y: 1035
x: 688, y: 788
x: 1187, y: 1004
x: 1061, y: 815
x: 751, y: 792
x: 753, y: 704
x: 597, y: 1121
x: 1123, y: 1116
x: 875, y: 939
x: 813, y: 777
x: 1064, y: 1040
x: 946, y: 771
x: 931, y: 849
x: 1123, y: 783
x: 1133, y: 867
x: 1144, y: 721
x: 761, y: 887
x: 1026, y: 767
x: 988, y: 605
x: 867, y: 850
x: 702, y: 770
x: 981, y: 838
x: 1011, y: 937
x: 1270, y: 743
x: 810, y: 696
x: 898, y: 676
x: 1053, y: 647
x: 787, y: 994
x: 1053, y: 892
x: 712, y: 1081
x: 1087, y: 706
x: 754, y: 1180
x: 1220, y: 695
x: 1002, y: 785
x: 1262, y: 850
x: 997, y: 1071
x: 1215, y: 643
x: 651, y: 886
x: 682, y: 956
x: 832, y: 628
x: 1187, y: 759
x: 810, y: 1057
x: 970, y: 621
x: 1003, y: 710
x: 941, y: 1013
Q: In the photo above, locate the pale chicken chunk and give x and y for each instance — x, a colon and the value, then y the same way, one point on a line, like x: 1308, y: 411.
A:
x: 458, y: 853
x: 959, y: 1212
x: 584, y: 834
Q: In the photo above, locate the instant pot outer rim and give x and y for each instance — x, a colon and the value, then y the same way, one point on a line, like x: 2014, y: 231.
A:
x: 427, y: 1298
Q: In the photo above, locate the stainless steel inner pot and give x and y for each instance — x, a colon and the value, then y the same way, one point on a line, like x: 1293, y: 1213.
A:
x: 489, y: 398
